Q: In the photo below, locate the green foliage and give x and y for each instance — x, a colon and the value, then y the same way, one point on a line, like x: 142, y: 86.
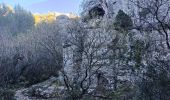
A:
x: 123, y: 21
x: 15, y: 20
x: 138, y: 48
x: 7, y: 94
x: 144, y: 12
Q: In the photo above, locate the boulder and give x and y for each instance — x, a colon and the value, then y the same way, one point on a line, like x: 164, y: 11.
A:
x: 49, y: 89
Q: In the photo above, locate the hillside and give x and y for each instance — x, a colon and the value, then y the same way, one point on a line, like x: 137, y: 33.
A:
x: 115, y: 50
x: 51, y: 17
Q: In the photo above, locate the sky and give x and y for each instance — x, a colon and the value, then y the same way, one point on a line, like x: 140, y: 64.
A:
x: 44, y: 6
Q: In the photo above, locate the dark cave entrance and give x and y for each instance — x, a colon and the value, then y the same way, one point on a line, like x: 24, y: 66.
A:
x: 96, y: 11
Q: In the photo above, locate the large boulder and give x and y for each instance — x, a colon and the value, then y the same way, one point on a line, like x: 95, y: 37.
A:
x: 49, y: 89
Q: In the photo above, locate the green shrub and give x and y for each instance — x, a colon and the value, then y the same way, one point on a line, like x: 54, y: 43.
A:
x: 123, y: 21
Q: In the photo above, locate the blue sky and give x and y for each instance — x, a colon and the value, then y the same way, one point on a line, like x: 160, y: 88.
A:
x: 44, y: 6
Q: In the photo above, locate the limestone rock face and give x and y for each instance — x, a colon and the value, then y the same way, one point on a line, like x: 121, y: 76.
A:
x: 106, y: 6
x: 109, y: 7
x: 45, y: 90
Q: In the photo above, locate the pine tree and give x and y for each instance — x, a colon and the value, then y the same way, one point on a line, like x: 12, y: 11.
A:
x: 123, y: 21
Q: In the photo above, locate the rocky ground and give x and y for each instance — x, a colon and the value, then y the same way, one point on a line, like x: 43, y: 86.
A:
x: 48, y: 90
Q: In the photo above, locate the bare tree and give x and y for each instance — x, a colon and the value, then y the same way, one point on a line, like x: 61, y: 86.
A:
x: 87, y: 53
x: 154, y: 14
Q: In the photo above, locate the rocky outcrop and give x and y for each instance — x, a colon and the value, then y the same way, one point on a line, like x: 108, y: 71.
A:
x: 49, y: 89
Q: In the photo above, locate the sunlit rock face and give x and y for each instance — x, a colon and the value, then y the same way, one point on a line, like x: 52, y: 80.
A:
x: 52, y: 16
